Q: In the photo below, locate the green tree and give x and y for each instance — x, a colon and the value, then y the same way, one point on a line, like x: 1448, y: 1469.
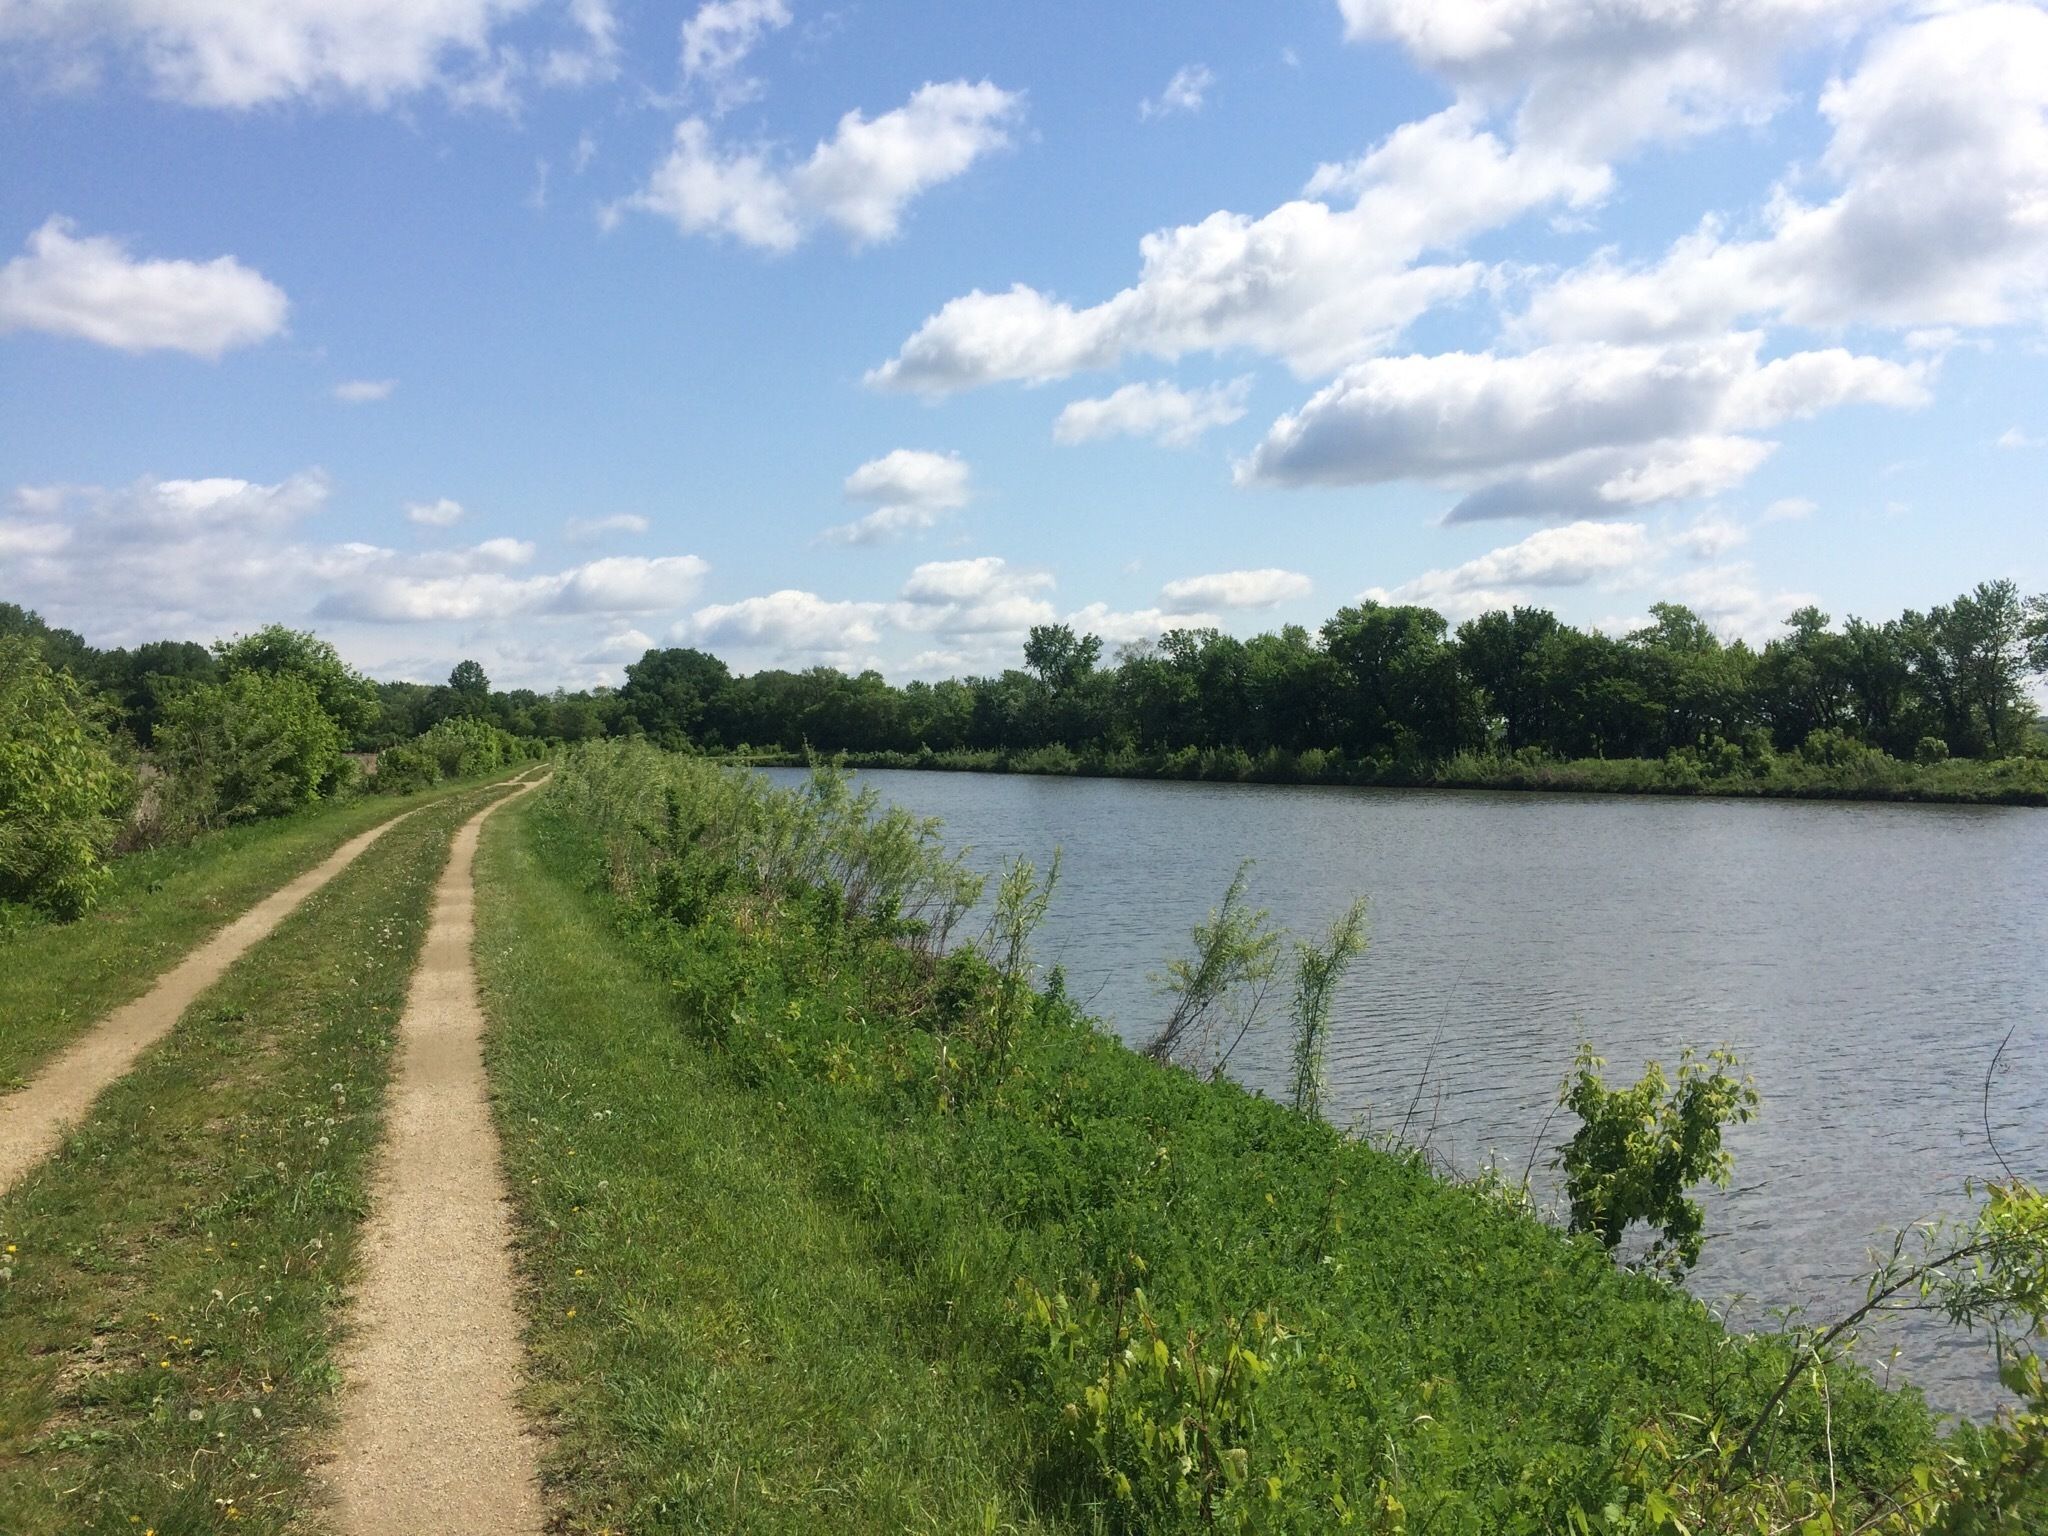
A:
x: 672, y: 693
x: 257, y: 744
x: 348, y: 698
x: 1058, y: 657
x: 471, y: 689
x: 63, y: 791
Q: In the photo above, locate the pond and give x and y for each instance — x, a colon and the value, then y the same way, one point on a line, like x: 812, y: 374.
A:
x: 1864, y: 960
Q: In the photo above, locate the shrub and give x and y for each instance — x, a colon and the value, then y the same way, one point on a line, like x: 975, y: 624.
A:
x: 62, y: 788
x: 458, y: 748
x: 256, y: 745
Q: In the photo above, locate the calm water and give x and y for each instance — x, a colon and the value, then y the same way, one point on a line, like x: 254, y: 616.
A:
x: 1865, y: 960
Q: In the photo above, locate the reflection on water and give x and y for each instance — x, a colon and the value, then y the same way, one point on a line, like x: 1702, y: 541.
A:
x: 1865, y: 960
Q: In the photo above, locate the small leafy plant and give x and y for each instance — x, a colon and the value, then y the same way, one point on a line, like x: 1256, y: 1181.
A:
x: 1638, y: 1150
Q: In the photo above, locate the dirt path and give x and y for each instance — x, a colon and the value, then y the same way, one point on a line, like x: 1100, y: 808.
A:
x: 33, y: 1119
x: 431, y: 1438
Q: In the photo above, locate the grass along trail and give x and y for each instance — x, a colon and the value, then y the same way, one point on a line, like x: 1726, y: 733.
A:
x: 431, y: 1438
x: 171, y: 1277
x: 32, y: 1120
x: 58, y: 980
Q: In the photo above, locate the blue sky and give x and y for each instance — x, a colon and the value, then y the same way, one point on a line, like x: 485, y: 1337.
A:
x: 542, y: 330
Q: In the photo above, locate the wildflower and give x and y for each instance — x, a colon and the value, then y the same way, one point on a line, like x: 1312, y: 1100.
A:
x: 196, y: 1416
x: 571, y: 1312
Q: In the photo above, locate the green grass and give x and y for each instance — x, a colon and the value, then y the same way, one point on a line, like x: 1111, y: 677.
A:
x: 57, y: 979
x: 717, y: 1346
x: 173, y: 1276
x: 1444, y: 1351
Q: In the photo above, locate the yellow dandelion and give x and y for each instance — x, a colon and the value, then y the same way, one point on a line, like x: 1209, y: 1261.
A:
x: 571, y: 1312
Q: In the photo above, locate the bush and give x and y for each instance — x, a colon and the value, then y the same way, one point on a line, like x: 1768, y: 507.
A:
x: 256, y: 745
x: 63, y: 790
x: 458, y: 748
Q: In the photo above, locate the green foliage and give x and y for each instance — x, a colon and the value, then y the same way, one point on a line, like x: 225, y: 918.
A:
x: 1317, y: 970
x: 1167, y: 1416
x: 1639, y: 1150
x: 347, y: 697
x: 459, y: 747
x: 258, y: 744
x: 1448, y: 1363
x: 63, y: 790
x: 1223, y: 985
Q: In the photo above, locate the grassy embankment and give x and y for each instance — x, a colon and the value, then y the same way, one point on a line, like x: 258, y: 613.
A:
x: 824, y: 1230
x: 56, y: 979
x: 1853, y: 774
x: 170, y: 1281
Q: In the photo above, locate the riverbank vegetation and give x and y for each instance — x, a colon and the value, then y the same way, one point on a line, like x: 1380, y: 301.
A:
x: 1146, y: 1300
x: 109, y: 752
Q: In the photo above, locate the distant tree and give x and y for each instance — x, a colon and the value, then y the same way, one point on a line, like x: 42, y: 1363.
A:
x: 1058, y: 657
x: 472, y: 689
x: 670, y: 693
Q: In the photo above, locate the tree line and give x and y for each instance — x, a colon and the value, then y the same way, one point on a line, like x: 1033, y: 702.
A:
x: 1396, y: 685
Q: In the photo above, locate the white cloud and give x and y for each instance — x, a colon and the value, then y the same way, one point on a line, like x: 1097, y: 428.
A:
x: 1570, y: 427
x: 585, y: 530
x: 718, y: 38
x: 1710, y: 537
x: 1730, y: 599
x: 1576, y: 554
x: 1313, y: 285
x: 434, y: 514
x: 860, y: 180
x: 1184, y: 93
x: 1172, y: 416
x: 1790, y: 509
x: 595, y: 56
x: 250, y: 53
x: 1663, y: 69
x: 385, y: 588
x: 1234, y: 589
x: 786, y: 625
x: 909, y: 488
x: 364, y: 391
x: 1135, y: 626
x: 2013, y: 438
x: 986, y: 596
x: 1940, y: 149
x: 89, y: 286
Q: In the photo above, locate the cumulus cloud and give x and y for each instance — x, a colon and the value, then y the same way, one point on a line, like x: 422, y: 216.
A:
x: 1939, y: 148
x: 1136, y: 626
x: 2013, y: 439
x: 1185, y: 92
x: 861, y: 180
x: 1310, y: 283
x: 910, y: 489
x: 1234, y: 589
x: 89, y: 286
x: 434, y: 514
x: 1664, y: 70
x: 585, y: 530
x: 717, y: 40
x: 1175, y: 417
x: 364, y: 391
x: 197, y: 558
x: 1567, y: 427
x: 788, y: 624
x: 985, y: 596
x: 1574, y: 555
x: 241, y: 55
